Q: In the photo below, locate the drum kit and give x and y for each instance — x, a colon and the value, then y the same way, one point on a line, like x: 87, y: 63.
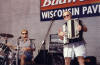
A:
x: 7, y: 50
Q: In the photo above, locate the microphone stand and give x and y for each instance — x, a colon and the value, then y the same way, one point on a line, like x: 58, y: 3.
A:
x: 5, y: 60
x: 44, y: 41
x: 17, y: 54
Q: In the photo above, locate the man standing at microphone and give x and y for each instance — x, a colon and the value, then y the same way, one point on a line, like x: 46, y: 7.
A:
x: 76, y: 45
x: 26, y: 47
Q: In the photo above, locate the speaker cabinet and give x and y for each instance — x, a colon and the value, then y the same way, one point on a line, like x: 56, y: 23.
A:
x: 56, y: 59
x: 89, y: 60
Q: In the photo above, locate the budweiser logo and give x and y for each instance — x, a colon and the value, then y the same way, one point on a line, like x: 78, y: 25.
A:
x: 57, y: 2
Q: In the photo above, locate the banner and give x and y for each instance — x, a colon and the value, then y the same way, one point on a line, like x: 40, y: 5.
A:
x: 53, y: 9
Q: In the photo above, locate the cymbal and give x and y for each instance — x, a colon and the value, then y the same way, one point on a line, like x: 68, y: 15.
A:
x: 6, y: 35
x: 11, y: 46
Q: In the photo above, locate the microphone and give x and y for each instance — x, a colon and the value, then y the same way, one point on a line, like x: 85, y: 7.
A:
x: 18, y: 39
x: 32, y: 39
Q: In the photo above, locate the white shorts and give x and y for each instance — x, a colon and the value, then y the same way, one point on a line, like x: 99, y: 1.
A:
x: 77, y: 48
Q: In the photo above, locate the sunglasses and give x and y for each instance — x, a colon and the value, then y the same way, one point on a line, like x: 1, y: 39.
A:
x: 66, y: 15
x: 24, y: 33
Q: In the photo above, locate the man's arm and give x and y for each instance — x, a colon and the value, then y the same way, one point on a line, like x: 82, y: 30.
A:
x: 60, y: 34
x: 82, y: 26
x: 29, y: 49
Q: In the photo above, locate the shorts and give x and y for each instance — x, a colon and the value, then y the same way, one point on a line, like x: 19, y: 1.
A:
x: 29, y: 56
x: 76, y: 48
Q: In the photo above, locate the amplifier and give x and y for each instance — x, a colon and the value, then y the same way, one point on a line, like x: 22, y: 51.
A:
x: 55, y: 45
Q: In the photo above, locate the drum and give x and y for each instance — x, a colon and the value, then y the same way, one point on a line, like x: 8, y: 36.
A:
x: 1, y: 61
x: 12, y: 58
x: 4, y: 50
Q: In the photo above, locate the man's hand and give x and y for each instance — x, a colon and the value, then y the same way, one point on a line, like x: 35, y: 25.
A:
x: 79, y: 27
x: 61, y: 33
x: 26, y: 49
